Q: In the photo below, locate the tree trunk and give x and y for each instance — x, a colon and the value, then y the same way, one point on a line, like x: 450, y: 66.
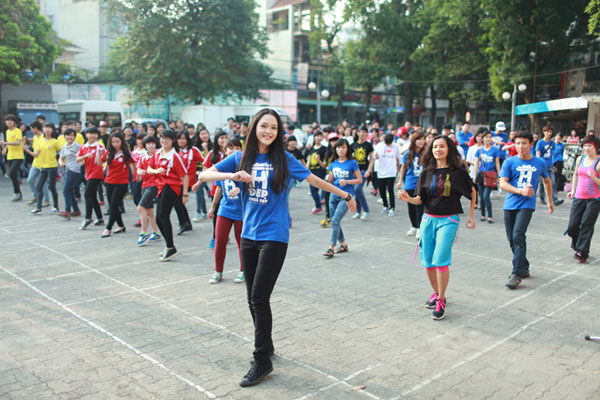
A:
x: 408, y: 95
x: 340, y: 103
x: 368, y: 101
x: 433, y: 110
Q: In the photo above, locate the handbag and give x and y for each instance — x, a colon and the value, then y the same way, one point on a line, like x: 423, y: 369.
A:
x: 490, y: 179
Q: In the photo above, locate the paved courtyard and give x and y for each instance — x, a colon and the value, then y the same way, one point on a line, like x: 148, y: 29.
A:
x: 91, y: 318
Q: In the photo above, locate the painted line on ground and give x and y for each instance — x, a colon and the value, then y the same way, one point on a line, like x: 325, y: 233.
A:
x: 117, y: 339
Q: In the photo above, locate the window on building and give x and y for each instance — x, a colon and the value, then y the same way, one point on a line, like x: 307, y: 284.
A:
x: 278, y: 21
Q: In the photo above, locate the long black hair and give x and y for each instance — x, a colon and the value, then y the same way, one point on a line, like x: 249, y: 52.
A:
x: 453, y: 158
x: 186, y: 136
x: 112, y: 151
x: 340, y: 143
x: 277, y: 155
x: 217, y: 151
x: 198, y: 142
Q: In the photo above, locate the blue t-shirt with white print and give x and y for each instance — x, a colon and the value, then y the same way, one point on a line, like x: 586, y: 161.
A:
x: 412, y: 173
x: 230, y: 206
x: 522, y: 173
x: 487, y: 158
x: 265, y: 213
x: 343, y: 170
x: 546, y: 150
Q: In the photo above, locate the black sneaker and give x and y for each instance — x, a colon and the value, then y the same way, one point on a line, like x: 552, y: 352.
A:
x: 559, y: 202
x: 168, y: 254
x: 513, y: 281
x: 579, y: 257
x: 525, y: 274
x: 256, y: 374
x: 543, y: 201
x: 85, y: 224
x: 431, y: 302
x: 440, y: 309
x: 99, y: 222
x: 184, y: 228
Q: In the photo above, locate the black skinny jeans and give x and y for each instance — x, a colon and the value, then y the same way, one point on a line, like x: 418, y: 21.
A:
x: 415, y: 213
x: 115, y: 195
x: 182, y: 213
x: 262, y: 261
x: 166, y: 201
x: 50, y: 175
x: 13, y: 173
x: 91, y: 199
x: 386, y: 186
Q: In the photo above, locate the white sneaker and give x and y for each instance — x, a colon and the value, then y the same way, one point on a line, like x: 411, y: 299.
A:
x: 364, y: 215
x: 216, y: 278
x: 356, y: 216
x: 418, y: 235
x: 197, y: 218
x: 412, y: 231
x: 384, y: 210
x: 240, y: 277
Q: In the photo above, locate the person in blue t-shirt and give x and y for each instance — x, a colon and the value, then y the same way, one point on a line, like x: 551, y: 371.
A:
x: 544, y: 149
x: 344, y: 173
x: 464, y: 137
x: 519, y: 178
x: 487, y: 160
x: 409, y: 175
x: 559, y: 158
x: 227, y: 205
x: 265, y: 172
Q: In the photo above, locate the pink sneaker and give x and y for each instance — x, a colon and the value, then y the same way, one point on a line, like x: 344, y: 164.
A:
x: 431, y: 302
x: 440, y: 309
x: 316, y: 210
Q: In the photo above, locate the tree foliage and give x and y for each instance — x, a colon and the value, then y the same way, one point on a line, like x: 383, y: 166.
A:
x: 593, y: 10
x: 191, y: 49
x: 360, y: 66
x: 26, y: 40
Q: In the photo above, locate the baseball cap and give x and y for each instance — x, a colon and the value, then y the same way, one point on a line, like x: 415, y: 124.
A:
x: 500, y: 126
x: 103, y: 123
x: 332, y: 136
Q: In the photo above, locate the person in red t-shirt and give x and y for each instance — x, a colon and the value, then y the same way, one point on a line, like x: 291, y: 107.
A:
x: 149, y: 193
x: 119, y: 162
x: 190, y: 156
x: 510, y: 145
x: 94, y: 176
x: 214, y: 157
x: 171, y: 171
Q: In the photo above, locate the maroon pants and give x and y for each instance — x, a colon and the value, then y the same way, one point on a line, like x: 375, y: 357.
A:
x: 222, y: 230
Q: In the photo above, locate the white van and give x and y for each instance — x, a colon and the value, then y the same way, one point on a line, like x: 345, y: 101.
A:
x: 91, y: 111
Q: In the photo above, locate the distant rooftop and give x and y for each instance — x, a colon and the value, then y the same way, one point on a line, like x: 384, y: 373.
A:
x: 283, y: 3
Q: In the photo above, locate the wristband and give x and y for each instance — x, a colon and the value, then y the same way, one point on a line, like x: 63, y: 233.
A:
x: 185, y: 195
x: 348, y: 198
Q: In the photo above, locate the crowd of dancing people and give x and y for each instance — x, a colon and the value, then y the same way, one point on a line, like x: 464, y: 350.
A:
x: 246, y: 170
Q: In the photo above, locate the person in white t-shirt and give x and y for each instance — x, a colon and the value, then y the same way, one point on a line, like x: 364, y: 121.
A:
x: 388, y: 154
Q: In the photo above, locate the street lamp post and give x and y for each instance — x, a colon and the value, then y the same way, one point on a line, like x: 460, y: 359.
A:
x: 320, y: 93
x: 507, y: 96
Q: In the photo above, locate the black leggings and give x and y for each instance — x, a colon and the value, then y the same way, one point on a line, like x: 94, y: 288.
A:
x: 50, y: 175
x: 387, y: 184
x: 262, y: 263
x: 326, y: 197
x: 166, y: 201
x: 91, y: 199
x: 415, y: 213
x: 115, y: 195
x: 215, y: 220
x: 13, y: 173
x: 182, y: 213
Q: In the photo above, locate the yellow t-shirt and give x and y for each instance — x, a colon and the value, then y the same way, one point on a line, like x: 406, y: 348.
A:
x: 61, y: 140
x: 79, y: 138
x: 48, y: 149
x: 15, y: 152
x: 36, y: 139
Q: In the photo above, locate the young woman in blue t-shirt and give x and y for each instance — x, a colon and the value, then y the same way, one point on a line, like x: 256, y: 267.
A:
x: 265, y: 172
x: 344, y: 173
x: 486, y: 159
x: 409, y: 175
